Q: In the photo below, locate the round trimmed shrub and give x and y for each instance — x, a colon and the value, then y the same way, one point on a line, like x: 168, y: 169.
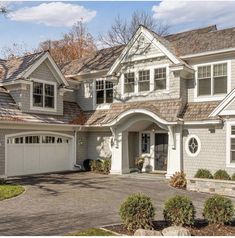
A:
x: 179, y: 211
x: 221, y: 174
x: 218, y: 210
x: 233, y: 177
x: 137, y: 212
x: 178, y: 180
x: 204, y: 173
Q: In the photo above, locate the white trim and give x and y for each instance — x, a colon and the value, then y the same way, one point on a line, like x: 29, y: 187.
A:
x: 207, y: 53
x: 141, y: 111
x: 40, y: 61
x: 228, y: 143
x: 73, y: 144
x: 43, y: 108
x: 212, y: 97
x: 152, y: 39
x: 205, y: 122
x: 187, y: 145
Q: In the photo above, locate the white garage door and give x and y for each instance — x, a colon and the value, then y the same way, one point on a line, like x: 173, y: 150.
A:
x: 38, y: 153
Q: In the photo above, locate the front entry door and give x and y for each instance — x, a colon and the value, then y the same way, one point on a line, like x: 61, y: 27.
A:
x: 161, y: 151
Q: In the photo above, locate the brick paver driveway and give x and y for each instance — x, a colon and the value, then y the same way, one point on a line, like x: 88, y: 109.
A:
x: 59, y: 203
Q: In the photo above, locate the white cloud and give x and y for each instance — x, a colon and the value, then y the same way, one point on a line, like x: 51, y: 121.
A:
x: 196, y: 12
x: 53, y: 14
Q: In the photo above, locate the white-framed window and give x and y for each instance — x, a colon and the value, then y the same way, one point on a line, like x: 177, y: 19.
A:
x: 129, y: 82
x: 43, y: 95
x: 213, y: 80
x: 160, y: 78
x: 193, y: 145
x: 144, y: 80
x: 145, y: 143
x: 104, y: 91
x: 230, y: 144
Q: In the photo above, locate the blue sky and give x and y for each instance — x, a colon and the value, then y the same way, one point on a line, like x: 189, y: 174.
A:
x: 35, y: 21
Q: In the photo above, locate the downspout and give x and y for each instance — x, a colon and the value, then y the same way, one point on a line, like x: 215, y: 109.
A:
x: 76, y: 166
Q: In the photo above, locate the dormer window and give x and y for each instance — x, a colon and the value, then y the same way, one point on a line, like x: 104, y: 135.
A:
x: 43, y: 95
x: 144, y: 80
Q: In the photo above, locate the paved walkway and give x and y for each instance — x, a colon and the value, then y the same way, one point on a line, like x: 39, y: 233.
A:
x: 60, y: 203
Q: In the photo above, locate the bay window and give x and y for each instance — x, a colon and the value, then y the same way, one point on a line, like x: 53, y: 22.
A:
x: 43, y: 95
x: 212, y: 79
x: 104, y: 91
x: 144, y: 80
x: 129, y: 82
x: 160, y: 79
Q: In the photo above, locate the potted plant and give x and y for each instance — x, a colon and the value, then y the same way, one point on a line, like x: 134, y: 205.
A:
x: 140, y: 163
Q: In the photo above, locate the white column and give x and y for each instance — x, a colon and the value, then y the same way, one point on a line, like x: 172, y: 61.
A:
x: 174, y: 163
x: 120, y: 155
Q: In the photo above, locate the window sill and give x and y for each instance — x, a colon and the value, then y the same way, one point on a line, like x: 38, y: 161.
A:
x: 145, y: 93
x: 210, y: 98
x: 43, y: 109
x: 103, y: 106
x: 232, y: 165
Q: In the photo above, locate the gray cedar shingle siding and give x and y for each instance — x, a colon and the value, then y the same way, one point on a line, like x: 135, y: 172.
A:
x: 213, y: 151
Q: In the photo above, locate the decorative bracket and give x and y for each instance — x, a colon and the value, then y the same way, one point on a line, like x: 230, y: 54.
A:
x: 114, y: 139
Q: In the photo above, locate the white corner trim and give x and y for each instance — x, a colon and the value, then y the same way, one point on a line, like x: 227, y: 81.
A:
x: 152, y: 39
x: 39, y: 62
x: 55, y: 96
x: 187, y: 145
x: 212, y: 97
x: 229, y: 124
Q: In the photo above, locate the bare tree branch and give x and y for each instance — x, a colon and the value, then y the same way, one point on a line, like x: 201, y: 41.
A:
x: 122, y: 31
x: 75, y: 44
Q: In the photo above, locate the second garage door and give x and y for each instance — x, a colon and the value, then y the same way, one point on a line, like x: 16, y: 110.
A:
x: 38, y: 153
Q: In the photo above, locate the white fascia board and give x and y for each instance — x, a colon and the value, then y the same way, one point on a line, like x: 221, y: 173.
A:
x: 39, y: 62
x: 204, y: 122
x: 223, y: 104
x: 207, y: 53
x: 152, y: 39
x: 18, y: 81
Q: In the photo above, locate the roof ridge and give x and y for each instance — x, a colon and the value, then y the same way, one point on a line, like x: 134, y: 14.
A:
x: 212, y: 27
x: 31, y: 54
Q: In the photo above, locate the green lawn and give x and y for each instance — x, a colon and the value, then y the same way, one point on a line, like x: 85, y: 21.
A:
x: 10, y: 190
x: 92, y: 232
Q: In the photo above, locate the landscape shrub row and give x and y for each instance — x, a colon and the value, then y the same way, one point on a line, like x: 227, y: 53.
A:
x: 219, y: 174
x: 137, y: 211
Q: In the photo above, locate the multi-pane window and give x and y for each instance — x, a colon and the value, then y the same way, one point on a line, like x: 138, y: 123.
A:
x: 212, y: 79
x: 145, y: 143
x: 129, y: 82
x: 32, y: 139
x: 104, y: 92
x: 43, y: 95
x: 160, y: 79
x: 144, y: 80
x: 232, y: 145
x: 193, y: 145
x: 220, y: 78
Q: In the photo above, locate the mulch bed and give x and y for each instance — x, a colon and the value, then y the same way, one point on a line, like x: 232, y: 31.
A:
x: 200, y: 228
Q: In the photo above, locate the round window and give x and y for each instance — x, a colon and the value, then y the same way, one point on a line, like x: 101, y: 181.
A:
x: 193, y: 145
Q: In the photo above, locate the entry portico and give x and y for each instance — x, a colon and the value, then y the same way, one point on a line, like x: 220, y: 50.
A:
x: 140, y: 132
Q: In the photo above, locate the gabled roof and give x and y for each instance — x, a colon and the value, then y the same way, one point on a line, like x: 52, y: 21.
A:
x: 13, y: 69
x: 21, y: 67
x: 189, y: 42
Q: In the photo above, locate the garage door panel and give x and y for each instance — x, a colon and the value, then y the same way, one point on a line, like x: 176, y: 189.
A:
x: 38, y: 154
x: 16, y: 164
x: 31, y: 158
